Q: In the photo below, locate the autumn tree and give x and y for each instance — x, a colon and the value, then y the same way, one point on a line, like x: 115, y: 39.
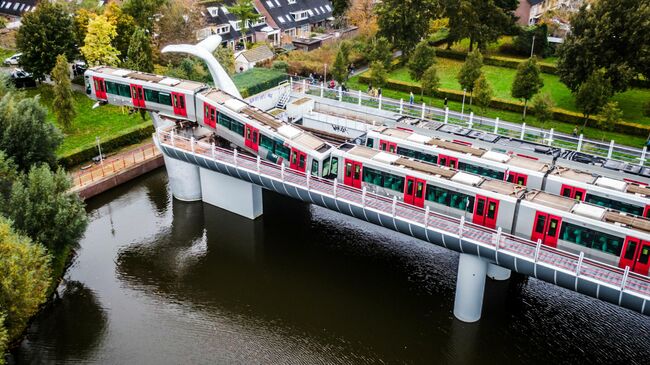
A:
x: 470, y: 72
x: 421, y: 60
x: 44, y: 34
x: 124, y: 28
x: 483, y: 93
x: 611, y: 116
x: 430, y: 81
x: 362, y: 14
x: 482, y: 21
x: 143, y: 11
x: 405, y: 23
x: 140, y: 55
x: 593, y: 94
x: 528, y: 81
x: 340, y: 7
x: 226, y: 58
x: 179, y: 20
x: 378, y: 74
x: 244, y: 11
x: 4, y: 337
x: 98, y: 49
x: 80, y: 24
x: 63, y: 103
x: 542, y: 107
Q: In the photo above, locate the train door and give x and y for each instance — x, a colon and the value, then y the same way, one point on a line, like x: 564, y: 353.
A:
x: 387, y: 146
x: 137, y: 96
x: 297, y: 160
x: 546, y: 227
x: 573, y: 193
x: 414, y: 191
x: 100, y: 87
x: 178, y: 102
x: 517, y: 178
x: 646, y: 211
x: 252, y: 140
x: 485, y: 211
x: 635, y: 254
x: 210, y: 115
x: 448, y: 161
x: 352, y: 173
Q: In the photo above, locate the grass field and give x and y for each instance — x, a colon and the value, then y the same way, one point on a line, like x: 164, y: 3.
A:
x: 105, y: 122
x: 493, y: 49
x: 500, y: 78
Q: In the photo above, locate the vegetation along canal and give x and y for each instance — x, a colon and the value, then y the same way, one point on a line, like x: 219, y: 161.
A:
x: 158, y: 281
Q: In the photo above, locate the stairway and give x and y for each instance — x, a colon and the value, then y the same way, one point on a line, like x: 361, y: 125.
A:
x: 282, y: 103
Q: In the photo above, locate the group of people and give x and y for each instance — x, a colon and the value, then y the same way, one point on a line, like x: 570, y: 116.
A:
x: 375, y: 93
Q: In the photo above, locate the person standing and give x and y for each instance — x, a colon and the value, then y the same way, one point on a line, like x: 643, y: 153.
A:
x: 411, y: 98
x: 378, y: 91
x: 446, y: 102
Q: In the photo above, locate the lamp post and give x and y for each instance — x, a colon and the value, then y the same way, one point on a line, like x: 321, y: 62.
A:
x: 532, y: 47
x: 99, y: 147
x: 325, y: 74
x: 462, y: 108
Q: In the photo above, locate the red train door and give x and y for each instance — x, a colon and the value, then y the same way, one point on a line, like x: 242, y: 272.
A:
x: 137, y: 96
x: 546, y: 227
x: 646, y: 211
x: 210, y: 115
x: 100, y: 87
x: 252, y: 138
x: 297, y: 160
x: 448, y: 161
x: 572, y: 192
x: 387, y: 146
x: 486, y: 211
x: 635, y: 254
x: 414, y: 191
x: 352, y: 173
x: 517, y: 178
x: 178, y: 102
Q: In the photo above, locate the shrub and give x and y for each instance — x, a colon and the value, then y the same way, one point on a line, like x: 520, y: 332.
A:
x: 280, y: 66
x: 646, y: 108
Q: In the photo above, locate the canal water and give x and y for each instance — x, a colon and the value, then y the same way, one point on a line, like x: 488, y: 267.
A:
x: 159, y: 281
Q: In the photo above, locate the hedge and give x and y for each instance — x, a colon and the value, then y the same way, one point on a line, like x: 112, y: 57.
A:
x: 515, y: 106
x: 256, y: 80
x: 131, y: 137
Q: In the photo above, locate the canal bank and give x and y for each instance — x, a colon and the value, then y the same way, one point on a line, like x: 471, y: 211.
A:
x: 161, y: 281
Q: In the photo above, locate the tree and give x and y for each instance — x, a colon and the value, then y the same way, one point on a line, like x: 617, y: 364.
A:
x: 430, y: 81
x: 405, y: 22
x: 244, y: 11
x: 611, y: 35
x: 611, y: 116
x: 470, y: 72
x: 226, y: 58
x: 8, y: 176
x: 143, y: 11
x: 527, y: 82
x: 4, y: 337
x: 177, y: 23
x: 140, y: 56
x: 44, y: 34
x: 80, y: 24
x: 362, y: 14
x: 24, y: 277
x: 543, y: 107
x: 380, y: 49
x: 421, y: 60
x: 524, y: 41
x: 378, y: 74
x: 483, y: 93
x: 593, y: 94
x: 124, y: 28
x: 63, y: 103
x: 25, y: 133
x: 482, y: 21
x: 98, y: 49
x: 340, y: 7
x: 43, y: 208
x: 340, y: 67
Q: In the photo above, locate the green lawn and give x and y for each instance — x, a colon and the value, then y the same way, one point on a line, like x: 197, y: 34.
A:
x: 593, y: 133
x: 630, y: 102
x: 6, y: 53
x: 493, y: 49
x: 106, y: 121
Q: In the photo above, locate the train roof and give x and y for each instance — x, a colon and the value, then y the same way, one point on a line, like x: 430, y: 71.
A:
x: 147, y: 77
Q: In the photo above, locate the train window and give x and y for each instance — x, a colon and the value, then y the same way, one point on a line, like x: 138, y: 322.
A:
x: 348, y: 169
x: 406, y: 152
x: 357, y: 171
x: 479, y: 170
x: 152, y: 95
x: 394, y: 182
x: 492, y: 208
x: 164, y: 98
x: 450, y: 198
x: 630, y: 250
x: 237, y: 127
x: 591, y: 239
x: 111, y: 88
x: 614, y: 204
x: 552, y: 229
x: 224, y: 121
x: 372, y: 176
x: 409, y: 187
x: 124, y: 90
x: 370, y: 142
x: 419, y: 189
x: 331, y: 168
x: 645, y: 253
x: 314, y: 168
x: 266, y: 142
x: 282, y: 151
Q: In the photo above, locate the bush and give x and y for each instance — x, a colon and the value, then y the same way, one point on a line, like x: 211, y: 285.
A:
x: 646, y: 108
x: 495, y: 60
x: 280, y: 66
x: 256, y: 80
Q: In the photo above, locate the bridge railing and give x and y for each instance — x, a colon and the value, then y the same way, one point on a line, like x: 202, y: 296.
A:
x: 576, y: 265
x: 114, y: 164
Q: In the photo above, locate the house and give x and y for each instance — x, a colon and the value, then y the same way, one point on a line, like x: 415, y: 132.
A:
x: 220, y: 21
x: 530, y: 12
x: 295, y: 18
x: 16, y: 8
x: 249, y: 58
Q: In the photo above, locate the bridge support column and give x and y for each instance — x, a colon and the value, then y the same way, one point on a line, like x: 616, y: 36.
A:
x: 184, y: 179
x: 496, y: 272
x: 231, y: 194
x: 470, y: 285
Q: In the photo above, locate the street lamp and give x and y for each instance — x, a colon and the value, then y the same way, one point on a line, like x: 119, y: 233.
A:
x: 325, y: 75
x: 99, y: 147
x: 462, y: 109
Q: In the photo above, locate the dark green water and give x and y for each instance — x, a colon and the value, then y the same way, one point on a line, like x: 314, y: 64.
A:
x: 158, y: 281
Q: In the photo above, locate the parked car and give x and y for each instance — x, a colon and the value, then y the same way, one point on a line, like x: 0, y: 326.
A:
x: 13, y: 60
x: 79, y: 67
x: 22, y: 78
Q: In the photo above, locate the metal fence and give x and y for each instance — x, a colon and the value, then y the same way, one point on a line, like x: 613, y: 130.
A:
x: 537, y: 253
x: 114, y: 165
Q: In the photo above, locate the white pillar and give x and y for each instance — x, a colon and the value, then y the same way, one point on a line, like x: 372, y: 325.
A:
x: 496, y: 126
x: 550, y: 137
x: 645, y: 150
x: 423, y: 109
x: 359, y: 97
x: 470, y: 285
x: 471, y: 120
x: 523, y: 131
x: 322, y: 89
x: 496, y: 272
x: 184, y: 179
x: 401, y: 106
x: 379, y: 106
x: 579, y: 143
x: 611, y: 149
x: 446, y: 114
x: 234, y: 195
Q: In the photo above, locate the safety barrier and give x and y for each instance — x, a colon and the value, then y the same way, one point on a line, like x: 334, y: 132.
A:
x: 114, y: 165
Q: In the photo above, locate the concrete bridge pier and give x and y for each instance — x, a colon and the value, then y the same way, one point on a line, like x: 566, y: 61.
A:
x: 184, y: 179
x: 496, y: 272
x: 233, y: 195
x: 470, y: 286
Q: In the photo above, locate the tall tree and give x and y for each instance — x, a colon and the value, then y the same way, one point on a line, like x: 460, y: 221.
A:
x: 25, y: 272
x: 483, y: 93
x: 380, y: 49
x: 80, y: 24
x: 245, y: 12
x: 528, y: 81
x: 44, y: 34
x: 25, y: 133
x: 44, y: 209
x: 140, y: 56
x: 8, y: 176
x: 611, y: 35
x: 421, y: 60
x: 340, y: 67
x: 362, y: 14
x: 378, y: 74
x: 98, y: 49
x: 482, y: 21
x: 593, y: 94
x: 430, y: 81
x: 63, y: 103
x: 226, y: 58
x: 543, y: 106
x: 4, y: 337
x: 340, y: 7
x: 124, y: 28
x: 143, y: 11
x: 470, y: 72
x: 178, y: 22
x: 611, y: 116
x: 406, y: 22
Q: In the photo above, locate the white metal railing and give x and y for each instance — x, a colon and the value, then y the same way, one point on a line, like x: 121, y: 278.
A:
x: 549, y: 137
x: 537, y: 253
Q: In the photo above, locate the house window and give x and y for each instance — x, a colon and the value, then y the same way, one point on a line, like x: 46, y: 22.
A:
x: 277, y: 3
x: 291, y: 2
x: 321, y: 8
x: 311, y: 13
x: 300, y: 15
x: 8, y: 5
x: 225, y: 10
x: 328, y: 8
x: 269, y: 3
x: 213, y: 11
x: 236, y: 25
x: 223, y: 29
x: 281, y: 19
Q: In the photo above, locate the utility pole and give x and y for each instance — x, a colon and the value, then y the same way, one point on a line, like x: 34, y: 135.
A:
x: 99, y: 147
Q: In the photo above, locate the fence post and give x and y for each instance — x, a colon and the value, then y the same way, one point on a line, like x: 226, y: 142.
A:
x: 523, y: 131
x: 212, y: 151
x: 645, y: 149
x: 461, y: 226
x: 625, y: 276
x: 234, y: 156
x: 394, y: 205
x: 304, y: 86
x: 401, y: 106
x: 192, y: 143
x: 171, y: 136
x: 538, y: 249
x: 340, y: 93
x: 379, y: 100
x: 498, y: 242
x: 336, y: 183
x: 579, y: 266
x: 427, y: 210
x: 359, y: 97
x: 423, y: 109
x: 322, y: 89
x: 471, y: 119
x: 496, y: 126
x: 446, y: 114
x: 363, y: 197
x: 259, y: 163
x: 282, y: 172
x: 308, y: 180
x: 550, y: 137
x: 579, y: 143
x: 611, y: 149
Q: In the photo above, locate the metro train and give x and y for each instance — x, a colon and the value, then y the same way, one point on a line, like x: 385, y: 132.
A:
x: 228, y: 117
x: 609, y: 236
x: 625, y: 196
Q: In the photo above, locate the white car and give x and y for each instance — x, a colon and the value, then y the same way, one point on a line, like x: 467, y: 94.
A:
x: 13, y: 60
